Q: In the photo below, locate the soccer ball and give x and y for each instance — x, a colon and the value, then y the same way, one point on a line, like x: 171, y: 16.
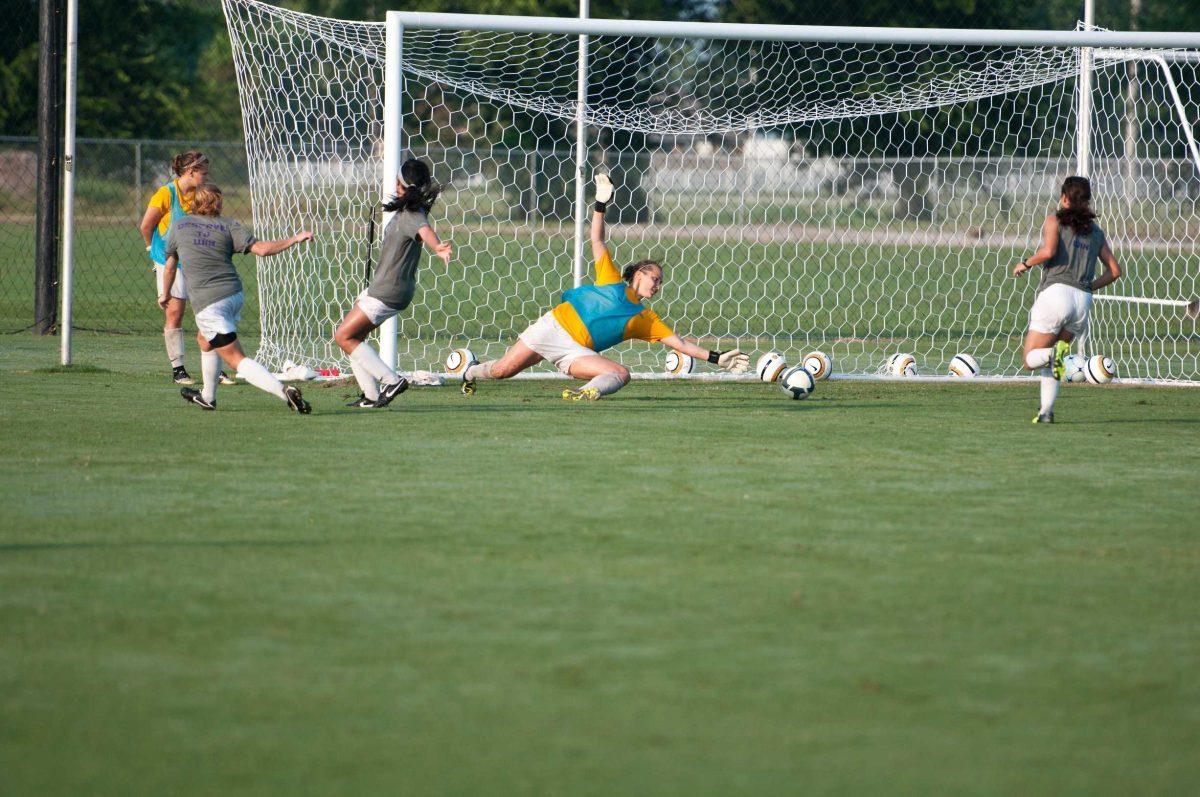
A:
x: 1099, y: 370
x: 458, y: 360
x: 902, y: 365
x: 1074, y: 368
x: 679, y: 364
x: 964, y: 366
x: 770, y: 366
x: 819, y: 364
x: 797, y: 382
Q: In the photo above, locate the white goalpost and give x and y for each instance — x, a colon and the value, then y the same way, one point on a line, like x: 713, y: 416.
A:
x: 862, y: 191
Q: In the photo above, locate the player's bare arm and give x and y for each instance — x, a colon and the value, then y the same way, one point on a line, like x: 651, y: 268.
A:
x: 1045, y: 251
x: 1112, y: 269
x: 733, y: 360
x: 439, y: 247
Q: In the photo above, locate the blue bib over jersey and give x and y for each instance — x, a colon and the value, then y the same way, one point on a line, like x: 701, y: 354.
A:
x: 605, y: 311
x: 158, y: 241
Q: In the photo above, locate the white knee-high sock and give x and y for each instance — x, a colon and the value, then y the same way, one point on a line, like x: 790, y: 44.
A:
x: 174, y: 340
x: 260, y: 377
x: 363, y: 355
x: 606, y: 383
x: 366, y: 382
x: 1038, y: 358
x: 1049, y: 390
x: 480, y: 371
x: 210, y: 368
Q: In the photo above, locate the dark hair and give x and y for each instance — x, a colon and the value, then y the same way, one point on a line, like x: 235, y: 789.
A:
x: 629, y: 271
x: 420, y: 191
x: 1078, y: 214
x: 186, y: 161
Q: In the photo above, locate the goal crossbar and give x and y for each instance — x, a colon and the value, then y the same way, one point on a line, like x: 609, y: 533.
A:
x: 833, y: 34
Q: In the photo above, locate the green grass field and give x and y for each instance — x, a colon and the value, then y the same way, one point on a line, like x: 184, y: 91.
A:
x: 687, y: 588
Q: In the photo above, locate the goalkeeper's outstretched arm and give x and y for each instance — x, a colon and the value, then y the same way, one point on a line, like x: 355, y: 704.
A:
x: 732, y: 361
x: 604, y: 192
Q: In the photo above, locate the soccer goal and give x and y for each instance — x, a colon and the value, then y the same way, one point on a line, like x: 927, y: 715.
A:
x: 855, y: 190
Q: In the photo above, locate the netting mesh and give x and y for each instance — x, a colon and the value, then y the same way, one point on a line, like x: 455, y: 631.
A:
x: 858, y: 199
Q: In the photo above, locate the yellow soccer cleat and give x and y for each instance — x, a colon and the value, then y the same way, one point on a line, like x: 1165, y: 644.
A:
x: 1061, y: 350
x: 582, y: 394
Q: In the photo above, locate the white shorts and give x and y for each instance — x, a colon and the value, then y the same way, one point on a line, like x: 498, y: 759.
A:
x: 220, y: 318
x: 178, y: 287
x: 548, y: 338
x: 1061, y: 308
x: 374, y: 309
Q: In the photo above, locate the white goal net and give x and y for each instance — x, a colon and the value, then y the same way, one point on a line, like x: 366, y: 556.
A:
x: 861, y: 199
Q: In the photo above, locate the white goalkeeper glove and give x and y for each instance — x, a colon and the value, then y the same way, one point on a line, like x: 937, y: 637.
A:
x: 732, y: 361
x: 604, y: 187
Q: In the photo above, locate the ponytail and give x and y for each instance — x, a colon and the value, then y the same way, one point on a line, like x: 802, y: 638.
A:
x: 1078, y: 214
x: 420, y: 191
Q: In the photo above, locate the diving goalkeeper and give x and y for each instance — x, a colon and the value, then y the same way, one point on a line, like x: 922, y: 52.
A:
x: 592, y: 318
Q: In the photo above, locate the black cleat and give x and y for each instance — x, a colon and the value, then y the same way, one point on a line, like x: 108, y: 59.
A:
x: 295, y: 400
x: 389, y: 391
x: 363, y: 402
x: 1045, y: 417
x: 196, y: 397
x: 180, y: 376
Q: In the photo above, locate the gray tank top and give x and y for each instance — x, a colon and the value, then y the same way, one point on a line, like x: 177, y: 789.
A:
x: 1074, y: 261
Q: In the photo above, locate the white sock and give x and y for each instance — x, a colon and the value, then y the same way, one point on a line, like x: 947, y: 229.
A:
x: 480, y: 371
x: 364, y: 356
x: 366, y: 382
x: 1038, y: 358
x: 606, y: 383
x: 260, y: 377
x: 210, y: 368
x: 174, y: 340
x: 1049, y: 390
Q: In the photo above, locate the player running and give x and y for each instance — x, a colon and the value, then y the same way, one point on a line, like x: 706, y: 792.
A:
x: 392, y: 285
x: 591, y: 318
x: 205, y: 242
x: 1071, y: 244
x: 170, y: 202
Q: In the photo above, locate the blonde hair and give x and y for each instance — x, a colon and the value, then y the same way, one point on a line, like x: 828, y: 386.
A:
x: 186, y: 161
x: 207, y: 200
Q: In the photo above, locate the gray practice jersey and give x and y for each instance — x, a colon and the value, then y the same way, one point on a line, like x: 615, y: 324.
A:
x: 205, y: 246
x: 395, y: 278
x: 1074, y: 261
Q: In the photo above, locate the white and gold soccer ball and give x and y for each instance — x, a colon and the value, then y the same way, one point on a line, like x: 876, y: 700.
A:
x: 679, y: 364
x: 964, y: 366
x: 770, y: 366
x: 901, y: 364
x: 1074, y: 368
x: 797, y: 382
x: 819, y: 364
x: 1099, y: 369
x: 458, y: 360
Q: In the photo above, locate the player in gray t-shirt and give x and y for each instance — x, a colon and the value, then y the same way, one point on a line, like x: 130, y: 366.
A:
x: 393, y: 283
x: 204, y: 243
x: 1072, y: 243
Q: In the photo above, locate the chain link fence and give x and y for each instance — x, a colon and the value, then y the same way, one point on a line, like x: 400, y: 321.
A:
x: 115, y: 178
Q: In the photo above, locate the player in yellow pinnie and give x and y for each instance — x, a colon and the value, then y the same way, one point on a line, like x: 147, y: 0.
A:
x: 592, y: 318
